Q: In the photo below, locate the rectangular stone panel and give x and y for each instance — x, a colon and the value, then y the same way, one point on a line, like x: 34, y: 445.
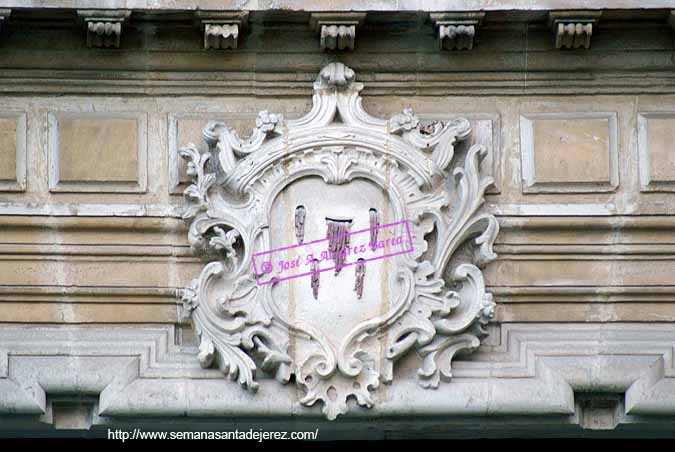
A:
x: 12, y: 151
x: 97, y: 152
x: 656, y: 138
x: 569, y: 152
x: 94, y: 271
x: 87, y: 313
x: 572, y: 272
x: 593, y: 312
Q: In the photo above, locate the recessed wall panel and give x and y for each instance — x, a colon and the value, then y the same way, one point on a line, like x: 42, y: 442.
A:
x: 97, y: 152
x: 569, y: 152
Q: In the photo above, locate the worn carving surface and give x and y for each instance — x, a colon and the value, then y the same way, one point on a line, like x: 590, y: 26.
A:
x: 338, y: 343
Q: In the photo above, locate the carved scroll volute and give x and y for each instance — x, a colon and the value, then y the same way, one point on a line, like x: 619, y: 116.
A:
x: 437, y: 303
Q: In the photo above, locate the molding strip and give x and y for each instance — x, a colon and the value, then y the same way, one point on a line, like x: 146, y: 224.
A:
x: 353, y: 5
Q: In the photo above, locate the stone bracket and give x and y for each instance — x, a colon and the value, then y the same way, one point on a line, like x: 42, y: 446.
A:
x: 221, y: 29
x: 4, y: 16
x: 103, y: 27
x: 573, y: 29
x: 457, y: 31
x: 337, y: 31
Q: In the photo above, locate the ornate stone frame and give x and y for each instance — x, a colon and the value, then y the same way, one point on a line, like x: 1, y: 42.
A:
x: 441, y: 304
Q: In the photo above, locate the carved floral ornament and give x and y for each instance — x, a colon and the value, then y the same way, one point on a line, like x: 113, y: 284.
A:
x: 342, y: 345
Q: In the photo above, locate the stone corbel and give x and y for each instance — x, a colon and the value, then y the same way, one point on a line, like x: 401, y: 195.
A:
x: 4, y: 16
x: 337, y: 31
x: 221, y: 29
x: 103, y: 27
x: 573, y: 29
x: 457, y: 30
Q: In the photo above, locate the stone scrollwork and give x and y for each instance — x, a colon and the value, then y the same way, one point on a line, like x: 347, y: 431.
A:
x: 244, y: 199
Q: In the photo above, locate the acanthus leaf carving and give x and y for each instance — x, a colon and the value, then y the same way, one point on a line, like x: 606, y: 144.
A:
x: 436, y: 303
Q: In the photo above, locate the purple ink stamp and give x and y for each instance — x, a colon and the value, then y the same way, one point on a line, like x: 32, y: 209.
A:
x: 339, y: 249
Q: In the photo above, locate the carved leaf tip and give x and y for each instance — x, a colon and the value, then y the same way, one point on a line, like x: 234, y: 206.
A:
x: 403, y: 122
x: 266, y: 121
x: 207, y: 353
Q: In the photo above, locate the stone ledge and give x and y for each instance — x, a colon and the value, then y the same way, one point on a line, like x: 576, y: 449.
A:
x: 347, y: 5
x: 534, y: 370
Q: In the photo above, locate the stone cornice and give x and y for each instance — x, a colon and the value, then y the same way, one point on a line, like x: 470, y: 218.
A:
x: 535, y: 372
x: 296, y: 11
x: 455, y: 29
x: 264, y: 84
x: 343, y: 6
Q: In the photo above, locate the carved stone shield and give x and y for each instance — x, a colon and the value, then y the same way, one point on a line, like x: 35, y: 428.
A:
x: 338, y: 333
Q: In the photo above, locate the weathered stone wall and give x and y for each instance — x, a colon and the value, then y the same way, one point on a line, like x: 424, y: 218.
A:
x: 103, y: 184
x: 580, y: 145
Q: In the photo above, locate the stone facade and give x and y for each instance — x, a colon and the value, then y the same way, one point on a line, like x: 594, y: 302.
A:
x: 569, y: 112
